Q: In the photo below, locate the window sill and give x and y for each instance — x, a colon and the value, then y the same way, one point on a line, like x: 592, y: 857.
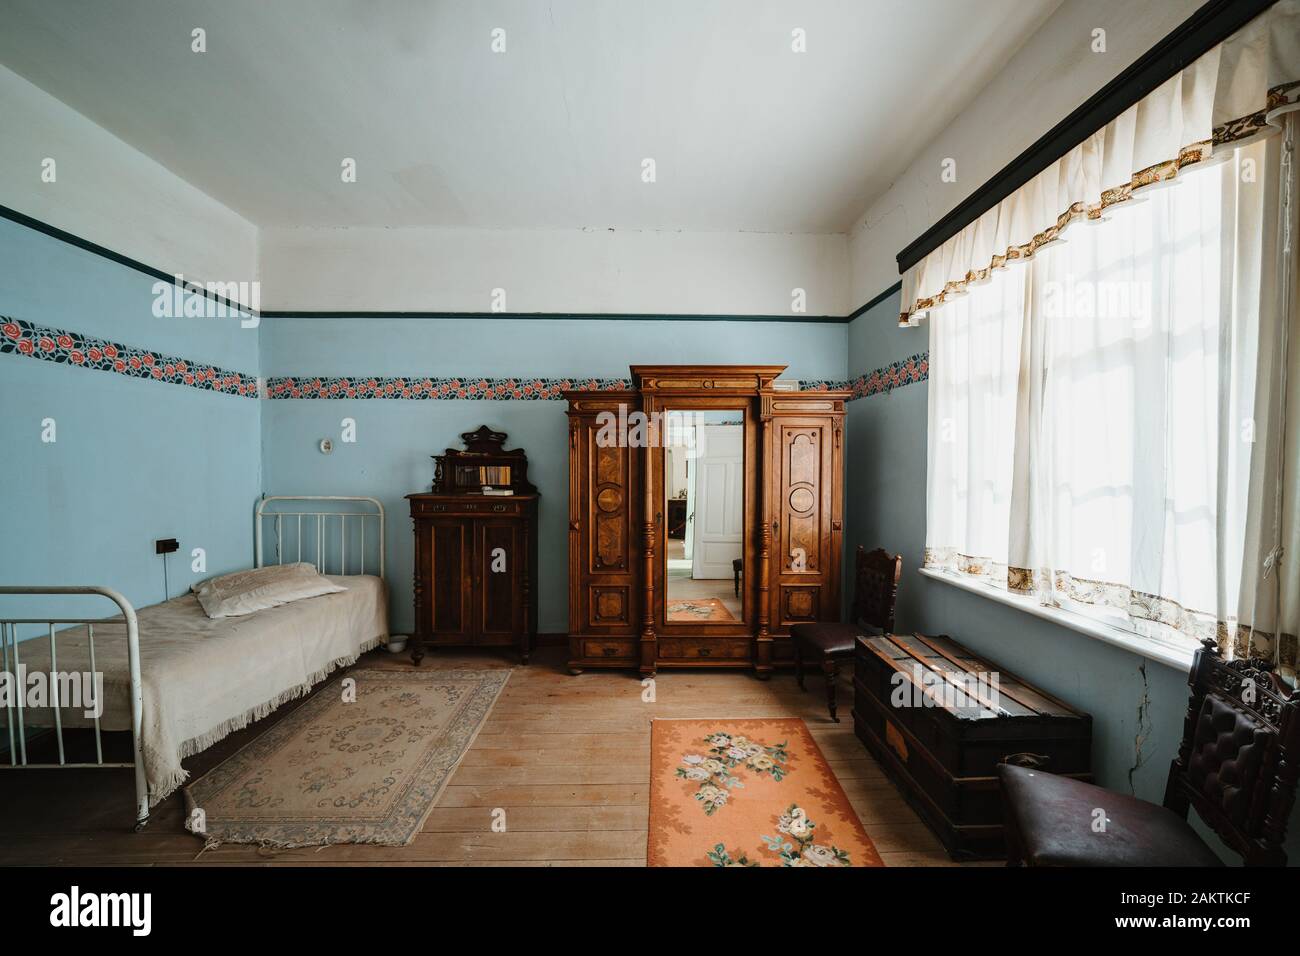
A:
x: 1126, y: 640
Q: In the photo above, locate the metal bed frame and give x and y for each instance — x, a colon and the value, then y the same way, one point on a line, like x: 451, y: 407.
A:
x: 321, y: 527
x: 9, y: 643
x: 18, y: 752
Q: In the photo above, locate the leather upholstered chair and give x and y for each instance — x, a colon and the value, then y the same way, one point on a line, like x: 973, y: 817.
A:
x: 875, y: 587
x: 1237, y: 766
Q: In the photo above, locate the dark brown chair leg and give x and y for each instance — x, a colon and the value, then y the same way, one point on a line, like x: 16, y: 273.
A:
x: 798, y: 662
x: 735, y: 571
x: 831, y: 668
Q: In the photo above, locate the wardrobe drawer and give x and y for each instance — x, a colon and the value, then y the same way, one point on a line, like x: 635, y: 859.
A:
x: 599, y: 649
x: 704, y: 648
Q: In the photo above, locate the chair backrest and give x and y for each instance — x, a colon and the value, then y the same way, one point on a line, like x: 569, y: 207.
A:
x: 1240, y: 755
x: 875, y: 587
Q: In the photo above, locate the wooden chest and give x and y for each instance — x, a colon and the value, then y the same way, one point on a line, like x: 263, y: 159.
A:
x: 939, y: 719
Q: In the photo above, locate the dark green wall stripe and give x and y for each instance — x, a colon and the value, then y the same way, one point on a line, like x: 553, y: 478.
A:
x: 54, y: 232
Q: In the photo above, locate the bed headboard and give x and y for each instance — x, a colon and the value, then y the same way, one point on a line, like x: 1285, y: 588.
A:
x: 336, y: 532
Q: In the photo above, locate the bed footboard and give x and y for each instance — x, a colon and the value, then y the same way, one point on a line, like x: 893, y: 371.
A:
x: 12, y: 662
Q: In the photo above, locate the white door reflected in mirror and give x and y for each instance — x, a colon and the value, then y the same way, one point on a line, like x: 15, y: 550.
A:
x: 704, y: 487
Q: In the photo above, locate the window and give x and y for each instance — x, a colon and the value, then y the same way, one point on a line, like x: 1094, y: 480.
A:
x: 1091, y: 410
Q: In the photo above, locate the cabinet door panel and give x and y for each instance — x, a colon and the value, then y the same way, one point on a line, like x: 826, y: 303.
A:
x: 450, y: 605
x: 610, y: 536
x: 800, y: 603
x: 804, y: 497
x: 608, y: 493
x: 804, y: 505
x: 499, y: 561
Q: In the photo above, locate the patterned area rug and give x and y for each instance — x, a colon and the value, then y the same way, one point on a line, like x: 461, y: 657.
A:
x: 356, y: 763
x: 748, y: 793
x: 700, y: 609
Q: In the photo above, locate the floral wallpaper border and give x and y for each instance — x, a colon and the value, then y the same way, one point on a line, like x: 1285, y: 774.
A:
x: 915, y: 368
x: 19, y: 337
x: 881, y: 381
x: 420, y: 387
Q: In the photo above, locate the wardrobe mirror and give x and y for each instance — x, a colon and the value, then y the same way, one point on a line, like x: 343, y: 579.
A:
x: 704, y: 515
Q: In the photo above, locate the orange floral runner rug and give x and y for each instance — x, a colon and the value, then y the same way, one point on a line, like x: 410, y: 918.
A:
x: 748, y: 793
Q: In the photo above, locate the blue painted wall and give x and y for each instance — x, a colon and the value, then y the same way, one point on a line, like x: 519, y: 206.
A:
x: 395, y: 438
x: 1127, y: 696
x: 135, y: 460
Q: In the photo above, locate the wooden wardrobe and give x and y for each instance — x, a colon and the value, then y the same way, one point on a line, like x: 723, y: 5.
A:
x: 788, y: 563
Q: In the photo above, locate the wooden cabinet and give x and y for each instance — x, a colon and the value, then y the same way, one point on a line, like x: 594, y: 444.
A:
x: 788, y: 563
x: 476, y: 553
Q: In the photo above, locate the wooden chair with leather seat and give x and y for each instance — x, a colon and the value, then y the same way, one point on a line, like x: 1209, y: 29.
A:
x: 875, y: 588
x: 1237, y: 766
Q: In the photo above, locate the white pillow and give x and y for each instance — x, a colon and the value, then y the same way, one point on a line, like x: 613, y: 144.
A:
x: 234, y: 595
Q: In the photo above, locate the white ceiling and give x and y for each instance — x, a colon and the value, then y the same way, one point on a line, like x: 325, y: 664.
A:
x: 746, y: 135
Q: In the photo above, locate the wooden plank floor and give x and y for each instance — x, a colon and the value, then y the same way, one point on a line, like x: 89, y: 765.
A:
x: 566, y: 757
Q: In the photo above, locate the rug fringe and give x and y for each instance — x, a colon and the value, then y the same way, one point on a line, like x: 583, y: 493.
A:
x: 202, y: 742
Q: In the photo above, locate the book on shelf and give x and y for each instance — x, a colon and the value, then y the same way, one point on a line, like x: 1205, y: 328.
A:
x: 483, y: 475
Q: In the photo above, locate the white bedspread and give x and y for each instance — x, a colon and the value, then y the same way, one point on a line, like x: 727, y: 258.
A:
x: 203, y: 679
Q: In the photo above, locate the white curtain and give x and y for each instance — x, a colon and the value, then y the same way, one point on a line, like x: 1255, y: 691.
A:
x: 1090, y: 408
x: 1269, y: 613
x: 1115, y: 365
x: 975, y: 370
x: 1226, y: 98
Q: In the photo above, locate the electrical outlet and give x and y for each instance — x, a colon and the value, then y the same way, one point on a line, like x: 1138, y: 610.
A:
x: 166, y: 546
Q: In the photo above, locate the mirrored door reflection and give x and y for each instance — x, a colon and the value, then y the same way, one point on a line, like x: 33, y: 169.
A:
x: 704, y: 487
